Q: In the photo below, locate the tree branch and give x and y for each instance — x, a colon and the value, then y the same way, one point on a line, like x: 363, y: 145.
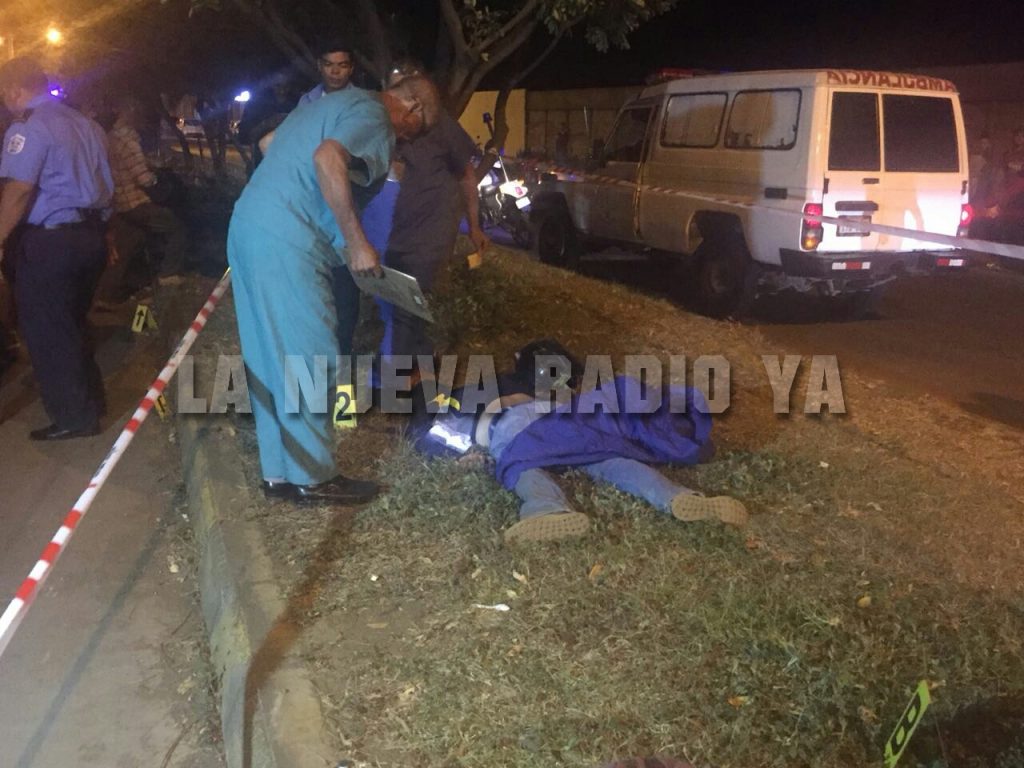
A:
x: 539, y: 59
x: 502, y: 50
x: 455, y: 30
x: 287, y: 41
x: 506, y: 29
x: 380, y: 53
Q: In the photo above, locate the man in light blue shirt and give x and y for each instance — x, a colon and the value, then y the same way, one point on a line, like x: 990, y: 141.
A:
x: 335, y: 65
x: 293, y: 224
x: 57, y: 194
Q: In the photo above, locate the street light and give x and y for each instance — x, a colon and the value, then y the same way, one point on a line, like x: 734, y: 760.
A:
x: 54, y: 36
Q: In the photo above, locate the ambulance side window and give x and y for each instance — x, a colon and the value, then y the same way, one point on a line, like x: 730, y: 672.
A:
x: 626, y: 144
x: 763, y: 120
x: 693, y: 120
x: 853, y: 143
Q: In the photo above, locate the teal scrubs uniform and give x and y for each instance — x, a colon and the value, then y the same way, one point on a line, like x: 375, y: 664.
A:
x: 283, y: 242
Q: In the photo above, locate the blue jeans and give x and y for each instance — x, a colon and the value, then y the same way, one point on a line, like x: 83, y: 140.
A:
x: 542, y: 495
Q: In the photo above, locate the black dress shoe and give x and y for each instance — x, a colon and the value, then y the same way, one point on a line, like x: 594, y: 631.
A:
x: 53, y: 432
x: 340, y: 490
x: 278, y: 489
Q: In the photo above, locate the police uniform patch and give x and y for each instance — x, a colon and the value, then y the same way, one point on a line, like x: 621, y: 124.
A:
x: 15, y: 144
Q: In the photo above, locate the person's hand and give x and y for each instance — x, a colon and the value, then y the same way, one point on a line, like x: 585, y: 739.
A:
x: 475, y: 459
x: 480, y: 241
x: 363, y: 260
x: 113, y: 256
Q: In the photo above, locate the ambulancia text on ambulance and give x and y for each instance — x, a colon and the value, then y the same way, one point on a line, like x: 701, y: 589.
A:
x: 734, y: 172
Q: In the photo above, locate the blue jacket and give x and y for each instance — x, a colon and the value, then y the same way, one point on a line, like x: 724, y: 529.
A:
x: 575, y: 435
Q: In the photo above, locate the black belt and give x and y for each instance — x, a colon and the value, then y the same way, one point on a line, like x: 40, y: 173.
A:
x: 92, y: 218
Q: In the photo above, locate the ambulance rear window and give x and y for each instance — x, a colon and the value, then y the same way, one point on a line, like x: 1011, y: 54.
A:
x: 920, y: 134
x: 853, y: 134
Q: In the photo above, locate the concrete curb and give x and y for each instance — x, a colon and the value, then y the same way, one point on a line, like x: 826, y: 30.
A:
x: 269, y: 710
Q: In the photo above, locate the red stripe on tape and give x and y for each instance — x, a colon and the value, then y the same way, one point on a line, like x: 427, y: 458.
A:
x: 51, y: 552
x: 196, y: 326
x: 10, y: 619
x: 28, y: 586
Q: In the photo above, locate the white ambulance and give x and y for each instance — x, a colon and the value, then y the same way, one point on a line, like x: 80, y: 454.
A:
x: 702, y: 168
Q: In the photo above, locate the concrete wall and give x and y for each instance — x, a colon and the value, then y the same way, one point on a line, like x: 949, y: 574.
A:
x: 992, y: 96
x: 515, y: 112
x: 589, y: 113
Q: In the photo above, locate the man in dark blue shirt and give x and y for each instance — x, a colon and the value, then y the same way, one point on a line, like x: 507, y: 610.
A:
x: 438, y: 186
x: 59, y: 187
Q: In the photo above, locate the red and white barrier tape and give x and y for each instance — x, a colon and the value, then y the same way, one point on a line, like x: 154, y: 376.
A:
x: 985, y: 246
x: 29, y: 588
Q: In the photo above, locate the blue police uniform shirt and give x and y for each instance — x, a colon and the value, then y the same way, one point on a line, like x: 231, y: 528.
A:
x: 283, y: 196
x: 316, y: 93
x: 64, y: 154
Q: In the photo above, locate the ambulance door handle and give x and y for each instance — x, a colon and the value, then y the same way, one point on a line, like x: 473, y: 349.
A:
x: 869, y: 180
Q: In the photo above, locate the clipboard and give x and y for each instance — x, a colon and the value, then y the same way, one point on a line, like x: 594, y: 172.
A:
x: 399, y: 289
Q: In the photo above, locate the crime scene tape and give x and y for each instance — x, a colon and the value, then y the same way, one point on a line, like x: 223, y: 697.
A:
x: 18, y: 607
x: 965, y: 243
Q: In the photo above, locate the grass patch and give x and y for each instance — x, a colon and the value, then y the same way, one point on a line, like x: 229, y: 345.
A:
x: 796, y: 643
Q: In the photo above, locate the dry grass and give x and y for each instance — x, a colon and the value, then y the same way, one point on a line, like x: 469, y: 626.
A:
x: 649, y: 636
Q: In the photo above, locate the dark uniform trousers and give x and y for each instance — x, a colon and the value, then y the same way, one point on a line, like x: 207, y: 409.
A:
x: 409, y: 335
x: 56, y: 276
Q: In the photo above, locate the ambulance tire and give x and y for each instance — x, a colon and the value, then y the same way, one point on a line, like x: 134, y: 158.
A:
x: 555, y: 240
x: 725, y: 276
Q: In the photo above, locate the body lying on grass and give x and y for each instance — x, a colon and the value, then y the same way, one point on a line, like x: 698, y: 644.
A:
x: 594, y: 431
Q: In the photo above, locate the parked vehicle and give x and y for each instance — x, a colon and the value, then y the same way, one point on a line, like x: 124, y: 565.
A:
x: 866, y: 147
x: 192, y: 127
x: 504, y: 197
x: 505, y: 202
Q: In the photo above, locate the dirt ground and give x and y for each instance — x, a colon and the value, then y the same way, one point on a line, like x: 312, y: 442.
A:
x: 884, y: 549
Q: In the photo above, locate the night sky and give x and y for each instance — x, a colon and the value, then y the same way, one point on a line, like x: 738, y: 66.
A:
x: 743, y: 34
x: 158, y: 45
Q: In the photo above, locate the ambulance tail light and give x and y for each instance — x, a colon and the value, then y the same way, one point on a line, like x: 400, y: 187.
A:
x: 811, y: 230
x: 966, y: 217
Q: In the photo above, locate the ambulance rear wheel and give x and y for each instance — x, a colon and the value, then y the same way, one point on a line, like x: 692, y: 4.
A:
x: 555, y: 241
x: 725, y: 276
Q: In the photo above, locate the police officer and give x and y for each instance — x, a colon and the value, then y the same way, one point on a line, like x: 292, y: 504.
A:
x: 287, y: 233
x: 58, y: 185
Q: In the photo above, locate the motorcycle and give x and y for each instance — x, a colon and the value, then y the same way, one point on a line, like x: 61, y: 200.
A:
x: 504, y: 199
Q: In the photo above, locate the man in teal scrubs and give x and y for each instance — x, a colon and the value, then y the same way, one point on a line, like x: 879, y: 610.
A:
x: 294, y: 222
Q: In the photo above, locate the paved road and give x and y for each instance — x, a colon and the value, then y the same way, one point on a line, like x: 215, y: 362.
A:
x: 960, y: 337
x: 107, y: 669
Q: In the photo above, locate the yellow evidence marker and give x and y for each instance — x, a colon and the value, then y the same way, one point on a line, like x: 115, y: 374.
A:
x: 345, y: 407
x: 908, y: 723
x: 143, y: 319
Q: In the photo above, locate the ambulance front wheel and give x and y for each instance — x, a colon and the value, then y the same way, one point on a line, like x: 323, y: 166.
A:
x: 555, y: 240
x: 725, y: 276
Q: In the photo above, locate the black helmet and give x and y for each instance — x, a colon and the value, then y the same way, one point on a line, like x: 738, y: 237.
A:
x: 549, y: 362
